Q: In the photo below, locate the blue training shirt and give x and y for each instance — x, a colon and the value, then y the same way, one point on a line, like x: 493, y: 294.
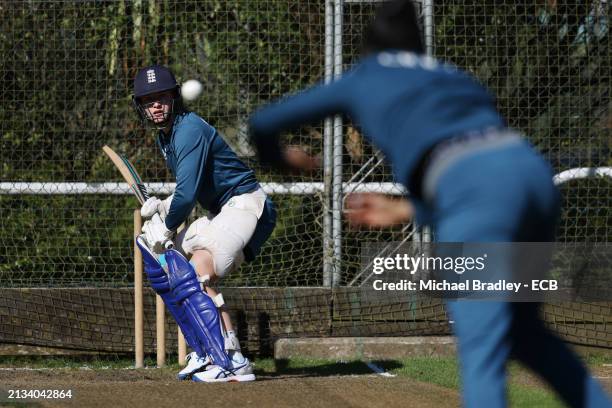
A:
x: 405, y: 103
x: 206, y: 169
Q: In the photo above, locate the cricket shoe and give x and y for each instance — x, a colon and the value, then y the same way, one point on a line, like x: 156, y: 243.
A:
x: 194, y: 364
x: 241, y: 370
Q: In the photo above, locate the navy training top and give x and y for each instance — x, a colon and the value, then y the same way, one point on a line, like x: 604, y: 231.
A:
x: 206, y: 169
x: 405, y: 103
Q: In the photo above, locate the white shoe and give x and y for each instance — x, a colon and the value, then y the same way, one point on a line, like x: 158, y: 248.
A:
x: 194, y: 365
x: 241, y: 371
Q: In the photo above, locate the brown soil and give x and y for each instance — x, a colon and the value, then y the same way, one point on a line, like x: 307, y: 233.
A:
x: 157, y: 388
x: 603, y: 374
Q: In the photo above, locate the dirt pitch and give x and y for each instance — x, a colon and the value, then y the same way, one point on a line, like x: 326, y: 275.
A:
x: 157, y: 388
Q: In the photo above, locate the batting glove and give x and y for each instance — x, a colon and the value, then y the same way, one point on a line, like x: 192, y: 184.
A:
x: 155, y: 205
x: 149, y: 208
x: 156, y: 234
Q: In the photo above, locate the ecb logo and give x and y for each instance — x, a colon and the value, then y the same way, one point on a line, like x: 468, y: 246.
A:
x: 151, y: 76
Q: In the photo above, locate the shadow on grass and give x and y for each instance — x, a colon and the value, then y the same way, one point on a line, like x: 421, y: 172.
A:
x: 289, y: 368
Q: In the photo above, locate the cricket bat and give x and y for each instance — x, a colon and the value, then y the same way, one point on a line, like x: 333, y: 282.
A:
x: 132, y: 178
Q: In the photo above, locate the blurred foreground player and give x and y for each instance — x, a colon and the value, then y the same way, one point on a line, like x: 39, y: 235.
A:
x: 240, y: 219
x: 469, y: 176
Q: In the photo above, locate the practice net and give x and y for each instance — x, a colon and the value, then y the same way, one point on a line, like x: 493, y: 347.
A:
x: 66, y: 252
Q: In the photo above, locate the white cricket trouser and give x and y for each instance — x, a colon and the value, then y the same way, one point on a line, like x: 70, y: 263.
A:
x: 226, y: 234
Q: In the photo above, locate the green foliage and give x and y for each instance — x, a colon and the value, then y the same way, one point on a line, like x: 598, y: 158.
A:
x: 66, y: 92
x: 551, y: 82
x: 83, y: 242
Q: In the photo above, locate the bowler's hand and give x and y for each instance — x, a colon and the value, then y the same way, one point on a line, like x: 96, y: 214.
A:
x: 377, y: 210
x: 297, y: 159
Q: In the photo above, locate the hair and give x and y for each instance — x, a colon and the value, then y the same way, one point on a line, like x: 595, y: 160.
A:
x: 395, y: 26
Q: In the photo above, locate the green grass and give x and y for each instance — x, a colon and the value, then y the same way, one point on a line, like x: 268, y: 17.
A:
x: 442, y: 371
x: 526, y: 396
x: 598, y: 359
x: 69, y: 362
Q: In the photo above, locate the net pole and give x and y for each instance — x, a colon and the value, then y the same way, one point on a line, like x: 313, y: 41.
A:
x: 338, y: 142
x: 138, y: 300
x: 328, y: 151
x: 428, y: 22
x: 428, y: 33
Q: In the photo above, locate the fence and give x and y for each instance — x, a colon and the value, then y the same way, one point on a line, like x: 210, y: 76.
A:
x: 66, y: 80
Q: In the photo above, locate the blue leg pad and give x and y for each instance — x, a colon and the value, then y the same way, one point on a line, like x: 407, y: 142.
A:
x: 159, y: 282
x: 201, y: 310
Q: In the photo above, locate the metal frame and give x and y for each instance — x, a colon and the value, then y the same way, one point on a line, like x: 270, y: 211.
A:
x: 333, y: 135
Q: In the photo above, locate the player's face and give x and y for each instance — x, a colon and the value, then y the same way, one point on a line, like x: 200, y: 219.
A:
x: 157, y: 106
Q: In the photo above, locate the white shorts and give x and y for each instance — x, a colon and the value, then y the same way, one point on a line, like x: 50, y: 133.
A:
x: 226, y: 234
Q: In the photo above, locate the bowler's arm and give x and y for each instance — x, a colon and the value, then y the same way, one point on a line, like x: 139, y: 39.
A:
x: 306, y: 107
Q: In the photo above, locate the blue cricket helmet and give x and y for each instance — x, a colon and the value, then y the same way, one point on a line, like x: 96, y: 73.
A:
x: 151, y: 80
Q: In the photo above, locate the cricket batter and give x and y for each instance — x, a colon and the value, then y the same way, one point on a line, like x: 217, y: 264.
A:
x: 470, y: 177
x: 240, y: 219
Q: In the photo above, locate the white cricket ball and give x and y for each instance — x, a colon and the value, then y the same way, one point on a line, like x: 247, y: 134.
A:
x: 191, y: 89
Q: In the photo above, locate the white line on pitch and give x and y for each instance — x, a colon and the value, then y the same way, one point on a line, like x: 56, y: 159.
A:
x: 379, y: 370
